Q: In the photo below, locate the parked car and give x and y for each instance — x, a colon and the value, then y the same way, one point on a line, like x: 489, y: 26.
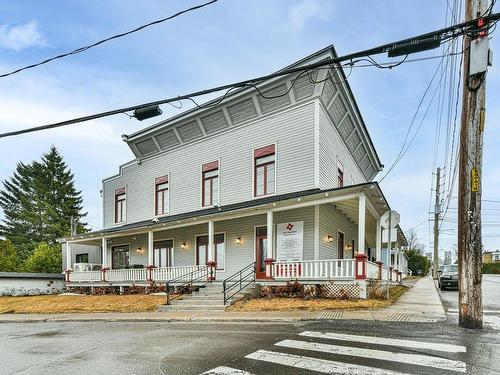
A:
x: 448, y: 277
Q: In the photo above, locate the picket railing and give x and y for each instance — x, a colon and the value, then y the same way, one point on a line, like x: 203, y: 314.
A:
x: 372, y: 270
x: 314, y: 269
x: 134, y: 275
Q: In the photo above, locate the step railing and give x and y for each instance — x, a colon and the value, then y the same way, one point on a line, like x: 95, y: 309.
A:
x: 184, y: 283
x: 238, y: 281
x: 314, y: 269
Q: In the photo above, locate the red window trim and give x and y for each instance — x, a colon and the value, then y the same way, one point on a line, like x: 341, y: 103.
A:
x: 260, y: 153
x: 264, y: 151
x: 209, y: 167
x: 159, y: 181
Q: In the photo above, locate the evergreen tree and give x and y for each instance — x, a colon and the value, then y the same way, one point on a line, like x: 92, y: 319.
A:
x: 8, y: 257
x: 38, y: 202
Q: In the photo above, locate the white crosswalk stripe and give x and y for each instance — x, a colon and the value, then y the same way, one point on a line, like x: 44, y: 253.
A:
x: 413, y: 359
x: 392, y: 357
x: 387, y: 341
x: 318, y: 365
x: 224, y: 370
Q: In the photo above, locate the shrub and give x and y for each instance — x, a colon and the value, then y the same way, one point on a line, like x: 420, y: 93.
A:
x: 45, y: 258
x: 8, y: 257
x: 492, y: 268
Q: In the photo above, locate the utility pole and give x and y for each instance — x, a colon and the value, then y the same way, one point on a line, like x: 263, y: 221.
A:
x: 437, y: 211
x: 470, y: 163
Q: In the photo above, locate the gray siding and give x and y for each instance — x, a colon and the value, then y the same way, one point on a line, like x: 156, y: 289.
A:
x: 331, y: 149
x: 95, y: 255
x: 331, y: 221
x: 292, y: 131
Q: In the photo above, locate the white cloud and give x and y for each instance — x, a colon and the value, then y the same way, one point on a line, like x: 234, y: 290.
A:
x: 302, y: 12
x: 21, y: 36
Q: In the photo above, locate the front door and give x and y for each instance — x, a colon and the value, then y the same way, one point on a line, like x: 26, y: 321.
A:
x: 120, y: 257
x: 260, y: 252
x: 163, y: 253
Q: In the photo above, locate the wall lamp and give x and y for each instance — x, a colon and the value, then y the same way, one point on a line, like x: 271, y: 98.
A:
x: 329, y: 238
x: 348, y: 247
x: 183, y: 245
x: 139, y: 250
x: 238, y: 240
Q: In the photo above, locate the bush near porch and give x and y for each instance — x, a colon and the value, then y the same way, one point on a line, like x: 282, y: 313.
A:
x: 491, y: 268
x: 295, y: 296
x: 57, y: 304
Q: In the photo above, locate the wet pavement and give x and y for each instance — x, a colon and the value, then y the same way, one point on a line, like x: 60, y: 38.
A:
x: 257, y: 348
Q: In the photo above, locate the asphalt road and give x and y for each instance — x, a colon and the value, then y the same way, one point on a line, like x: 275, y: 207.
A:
x: 194, y: 348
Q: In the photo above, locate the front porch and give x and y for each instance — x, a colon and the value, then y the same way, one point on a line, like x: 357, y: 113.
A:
x: 314, y: 237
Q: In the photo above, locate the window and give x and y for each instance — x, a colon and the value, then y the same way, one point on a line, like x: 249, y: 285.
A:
x: 340, y: 174
x: 210, y: 184
x: 82, y: 258
x: 120, y: 256
x: 120, y: 205
x: 340, y: 245
x: 161, y: 195
x: 162, y: 253
x: 219, y: 247
x: 264, y: 170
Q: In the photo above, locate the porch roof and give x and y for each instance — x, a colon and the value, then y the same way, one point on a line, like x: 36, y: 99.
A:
x: 280, y: 202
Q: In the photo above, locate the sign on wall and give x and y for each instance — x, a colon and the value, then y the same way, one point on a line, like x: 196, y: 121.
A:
x: 290, y: 241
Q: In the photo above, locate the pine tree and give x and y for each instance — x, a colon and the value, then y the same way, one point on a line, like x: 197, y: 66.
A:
x: 38, y: 202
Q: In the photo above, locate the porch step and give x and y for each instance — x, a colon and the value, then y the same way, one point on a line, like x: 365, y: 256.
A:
x: 183, y: 308
x: 207, y: 298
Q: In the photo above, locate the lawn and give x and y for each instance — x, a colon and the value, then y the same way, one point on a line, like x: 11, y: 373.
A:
x: 290, y: 304
x: 55, y: 304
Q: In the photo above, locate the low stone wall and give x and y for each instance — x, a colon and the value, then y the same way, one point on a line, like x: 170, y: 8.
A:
x: 30, y: 284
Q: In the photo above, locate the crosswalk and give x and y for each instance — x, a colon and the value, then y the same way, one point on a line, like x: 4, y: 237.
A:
x: 340, y: 353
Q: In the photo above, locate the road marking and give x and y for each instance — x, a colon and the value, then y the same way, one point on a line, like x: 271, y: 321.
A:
x: 387, y: 341
x: 224, y: 370
x: 414, y: 359
x: 319, y: 365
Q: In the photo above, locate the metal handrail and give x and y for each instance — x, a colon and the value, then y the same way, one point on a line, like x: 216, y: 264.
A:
x: 237, y: 279
x: 208, y: 275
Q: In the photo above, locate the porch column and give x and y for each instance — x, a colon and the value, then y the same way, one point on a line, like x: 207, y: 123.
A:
x: 361, y: 223
x: 211, y: 250
x: 270, y: 245
x: 69, y: 266
x: 378, y: 241
x: 150, y: 248
x: 105, y: 260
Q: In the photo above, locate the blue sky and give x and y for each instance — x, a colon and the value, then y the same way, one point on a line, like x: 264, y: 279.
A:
x: 228, y: 41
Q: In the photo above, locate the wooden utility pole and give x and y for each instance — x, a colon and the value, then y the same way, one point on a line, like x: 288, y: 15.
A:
x: 437, y: 211
x: 469, y: 188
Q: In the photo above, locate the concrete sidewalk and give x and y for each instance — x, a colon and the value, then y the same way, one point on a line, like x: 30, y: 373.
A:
x: 420, y: 304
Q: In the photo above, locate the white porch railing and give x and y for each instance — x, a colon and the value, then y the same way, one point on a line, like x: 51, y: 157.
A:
x: 372, y: 270
x: 130, y: 274
x: 170, y: 273
x: 314, y: 269
x: 85, y: 276
x: 133, y: 275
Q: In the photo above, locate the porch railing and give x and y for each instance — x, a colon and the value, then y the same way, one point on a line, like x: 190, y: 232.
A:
x: 134, y: 275
x: 314, y: 269
x: 372, y: 270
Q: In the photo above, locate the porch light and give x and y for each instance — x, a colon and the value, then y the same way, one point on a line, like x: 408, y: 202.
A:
x: 348, y: 247
x: 183, y: 245
x: 329, y: 238
x: 238, y: 240
x: 139, y: 250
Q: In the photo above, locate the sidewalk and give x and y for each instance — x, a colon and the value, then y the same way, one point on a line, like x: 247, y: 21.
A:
x: 420, y: 304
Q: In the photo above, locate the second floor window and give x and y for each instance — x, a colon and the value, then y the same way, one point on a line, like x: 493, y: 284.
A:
x: 120, y: 205
x: 264, y: 170
x: 161, y: 195
x: 210, y: 184
x: 340, y: 174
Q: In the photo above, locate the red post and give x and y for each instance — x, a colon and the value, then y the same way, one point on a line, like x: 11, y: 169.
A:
x: 268, y: 264
x: 211, y: 270
x: 149, y: 273
x: 103, y: 274
x: 67, y: 274
x: 360, y: 266
x: 379, y: 263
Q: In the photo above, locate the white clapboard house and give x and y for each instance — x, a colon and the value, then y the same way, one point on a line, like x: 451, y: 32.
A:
x: 279, y: 186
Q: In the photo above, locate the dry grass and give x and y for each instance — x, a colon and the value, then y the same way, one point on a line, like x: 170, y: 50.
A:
x: 290, y: 304
x: 56, y: 304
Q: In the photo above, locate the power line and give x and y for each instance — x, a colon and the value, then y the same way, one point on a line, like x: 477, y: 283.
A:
x: 445, y: 34
x: 85, y: 48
